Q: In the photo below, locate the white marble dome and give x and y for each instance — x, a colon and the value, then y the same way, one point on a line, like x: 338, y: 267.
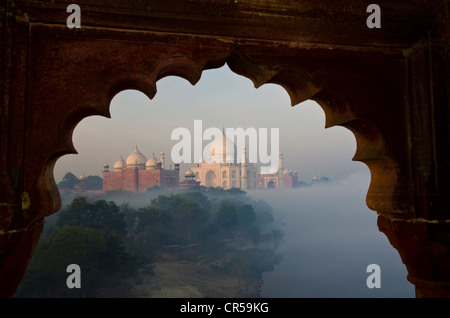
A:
x: 119, y: 164
x: 152, y: 163
x: 219, y: 147
x: 136, y: 158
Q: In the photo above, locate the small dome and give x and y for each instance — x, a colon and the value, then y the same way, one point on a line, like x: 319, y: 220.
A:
x: 82, y: 177
x: 136, y: 158
x: 152, y: 162
x: 189, y: 173
x: 120, y: 164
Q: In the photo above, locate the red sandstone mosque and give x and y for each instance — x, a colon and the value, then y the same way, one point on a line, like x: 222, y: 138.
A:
x: 137, y: 174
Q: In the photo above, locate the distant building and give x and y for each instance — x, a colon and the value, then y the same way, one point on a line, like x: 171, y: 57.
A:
x: 189, y: 180
x: 137, y: 174
x: 82, y: 185
x: 283, y: 178
x: 222, y: 169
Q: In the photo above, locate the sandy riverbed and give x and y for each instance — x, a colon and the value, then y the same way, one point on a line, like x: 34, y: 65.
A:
x: 181, y: 279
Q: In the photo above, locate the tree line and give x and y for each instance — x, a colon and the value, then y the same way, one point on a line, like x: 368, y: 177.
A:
x: 112, y: 242
x: 69, y: 181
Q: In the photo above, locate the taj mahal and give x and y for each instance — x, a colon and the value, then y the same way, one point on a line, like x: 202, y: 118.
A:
x: 222, y: 169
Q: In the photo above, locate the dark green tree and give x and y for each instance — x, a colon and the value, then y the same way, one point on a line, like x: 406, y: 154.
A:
x: 200, y: 198
x: 264, y: 214
x: 226, y: 215
x: 167, y: 203
x: 98, y: 215
x: 46, y: 274
x: 94, y: 183
x: 99, y: 253
x: 149, y: 218
x: 68, y: 181
x: 191, y: 216
x: 185, y: 214
x: 246, y: 215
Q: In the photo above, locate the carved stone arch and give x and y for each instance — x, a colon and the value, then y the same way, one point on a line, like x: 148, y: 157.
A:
x: 86, y: 100
x: 210, y: 179
x: 100, y: 106
x: 299, y: 82
x: 342, y: 106
x: 370, y: 149
x: 389, y: 86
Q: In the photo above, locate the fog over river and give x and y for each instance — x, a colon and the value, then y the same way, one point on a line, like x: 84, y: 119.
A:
x: 330, y: 237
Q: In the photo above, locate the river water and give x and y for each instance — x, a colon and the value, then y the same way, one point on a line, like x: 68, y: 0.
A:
x: 330, y: 238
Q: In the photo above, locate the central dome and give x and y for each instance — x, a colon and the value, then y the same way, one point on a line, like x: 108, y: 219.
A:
x: 223, y: 150
x: 136, y: 158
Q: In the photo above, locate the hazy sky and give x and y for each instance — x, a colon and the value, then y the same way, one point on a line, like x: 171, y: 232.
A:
x: 220, y: 99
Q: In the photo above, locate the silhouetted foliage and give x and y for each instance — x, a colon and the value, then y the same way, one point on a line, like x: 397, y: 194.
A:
x: 110, y: 242
x: 99, y: 253
x: 97, y: 215
x: 89, y: 234
x: 246, y: 215
x: 226, y: 215
x: 94, y: 183
x: 68, y: 182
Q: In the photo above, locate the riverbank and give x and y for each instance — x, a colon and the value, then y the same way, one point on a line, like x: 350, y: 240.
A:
x: 183, y: 279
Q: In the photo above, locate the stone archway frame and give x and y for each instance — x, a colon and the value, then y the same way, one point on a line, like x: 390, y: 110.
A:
x: 354, y: 93
x: 388, y: 89
x: 304, y: 76
x: 73, y: 75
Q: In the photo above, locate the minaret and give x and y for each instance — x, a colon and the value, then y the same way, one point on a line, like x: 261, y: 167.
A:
x: 224, y: 147
x: 162, y: 160
x: 243, y: 169
x: 280, y: 171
